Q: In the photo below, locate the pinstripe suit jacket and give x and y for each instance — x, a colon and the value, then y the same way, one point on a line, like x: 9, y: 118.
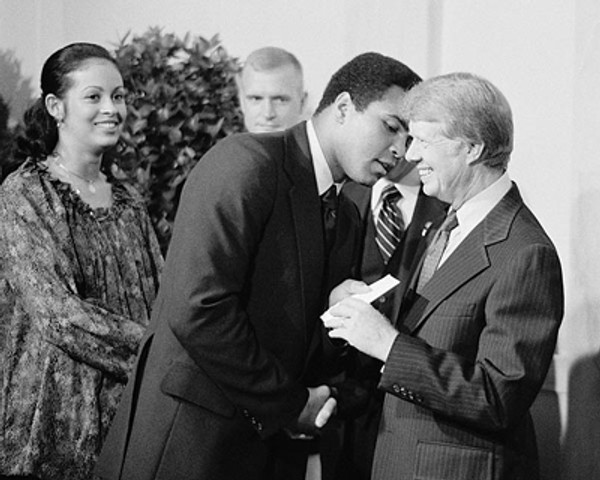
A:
x: 472, y: 354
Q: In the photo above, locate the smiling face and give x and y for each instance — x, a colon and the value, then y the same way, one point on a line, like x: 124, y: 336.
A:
x: 371, y: 141
x: 444, y: 164
x: 93, y: 108
x: 271, y: 100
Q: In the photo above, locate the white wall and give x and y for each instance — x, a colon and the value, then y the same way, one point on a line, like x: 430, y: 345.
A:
x: 543, y: 54
x: 323, y: 34
x: 528, y: 49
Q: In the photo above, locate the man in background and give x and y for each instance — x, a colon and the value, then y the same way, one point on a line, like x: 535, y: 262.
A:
x: 271, y: 90
x: 472, y: 344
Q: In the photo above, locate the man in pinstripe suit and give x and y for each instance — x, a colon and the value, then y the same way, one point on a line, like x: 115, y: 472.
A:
x: 471, y: 346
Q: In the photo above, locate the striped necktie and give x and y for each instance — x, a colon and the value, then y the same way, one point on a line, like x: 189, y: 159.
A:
x: 436, y: 249
x: 389, y: 226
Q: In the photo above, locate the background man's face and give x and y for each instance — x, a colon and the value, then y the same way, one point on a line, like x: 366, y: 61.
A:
x: 271, y: 100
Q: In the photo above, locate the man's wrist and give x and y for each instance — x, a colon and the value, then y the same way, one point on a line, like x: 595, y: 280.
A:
x: 386, y: 346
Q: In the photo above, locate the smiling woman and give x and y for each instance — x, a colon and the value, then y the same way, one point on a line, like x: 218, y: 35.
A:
x: 82, y: 265
x: 89, y: 116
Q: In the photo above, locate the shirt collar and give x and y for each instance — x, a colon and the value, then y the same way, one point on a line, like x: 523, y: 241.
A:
x: 474, y: 210
x: 323, y: 174
x: 407, y: 191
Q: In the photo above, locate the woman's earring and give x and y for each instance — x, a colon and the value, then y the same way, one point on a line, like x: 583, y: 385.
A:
x: 59, y: 122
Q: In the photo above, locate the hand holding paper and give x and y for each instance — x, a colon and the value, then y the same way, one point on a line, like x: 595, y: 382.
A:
x: 353, y: 319
x: 369, y: 294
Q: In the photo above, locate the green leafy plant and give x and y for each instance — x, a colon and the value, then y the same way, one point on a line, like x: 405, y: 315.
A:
x: 5, y: 141
x: 7, y: 163
x: 182, y: 100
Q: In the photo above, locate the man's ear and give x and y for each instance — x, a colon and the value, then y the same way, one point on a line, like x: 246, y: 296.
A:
x: 342, y: 106
x: 474, y: 152
x: 55, y: 107
x: 303, y: 101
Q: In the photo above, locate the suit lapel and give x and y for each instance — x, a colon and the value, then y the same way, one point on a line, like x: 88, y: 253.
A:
x: 360, y: 195
x: 370, y: 260
x: 469, y: 259
x: 306, y: 214
x: 345, y: 254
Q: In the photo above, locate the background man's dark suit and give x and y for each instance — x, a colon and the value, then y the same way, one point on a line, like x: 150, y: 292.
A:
x: 427, y: 211
x: 360, y: 433
x: 472, y: 354
x: 226, y: 362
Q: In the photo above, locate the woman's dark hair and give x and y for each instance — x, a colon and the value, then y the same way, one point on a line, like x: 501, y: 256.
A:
x: 41, y: 132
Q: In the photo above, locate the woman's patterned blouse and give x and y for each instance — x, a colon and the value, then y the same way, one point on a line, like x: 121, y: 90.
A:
x: 81, y: 283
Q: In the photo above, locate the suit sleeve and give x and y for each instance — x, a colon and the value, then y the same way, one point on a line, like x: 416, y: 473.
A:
x: 225, y: 205
x: 492, y: 389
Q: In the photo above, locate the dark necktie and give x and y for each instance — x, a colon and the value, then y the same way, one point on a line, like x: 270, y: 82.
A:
x: 329, y: 205
x: 389, y: 226
x: 436, y: 249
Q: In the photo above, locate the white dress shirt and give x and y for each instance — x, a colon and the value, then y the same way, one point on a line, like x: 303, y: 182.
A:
x: 474, y: 210
x: 322, y: 171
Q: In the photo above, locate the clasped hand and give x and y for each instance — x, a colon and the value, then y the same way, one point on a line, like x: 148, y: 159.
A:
x: 357, y: 322
x: 319, y: 408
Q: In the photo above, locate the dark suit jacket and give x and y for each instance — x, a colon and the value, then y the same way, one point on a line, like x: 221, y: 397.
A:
x: 472, y: 355
x: 363, y: 372
x: 225, y: 364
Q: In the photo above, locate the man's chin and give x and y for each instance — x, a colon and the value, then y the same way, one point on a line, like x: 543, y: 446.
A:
x: 430, y: 190
x: 366, y: 180
x: 267, y: 128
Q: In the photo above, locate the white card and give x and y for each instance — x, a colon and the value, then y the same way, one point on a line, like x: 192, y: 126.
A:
x: 378, y: 288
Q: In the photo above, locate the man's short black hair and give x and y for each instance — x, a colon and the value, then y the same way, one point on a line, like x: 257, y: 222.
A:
x: 367, y: 78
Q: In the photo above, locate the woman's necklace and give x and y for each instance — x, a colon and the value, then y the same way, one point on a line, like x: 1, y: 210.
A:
x: 90, y: 183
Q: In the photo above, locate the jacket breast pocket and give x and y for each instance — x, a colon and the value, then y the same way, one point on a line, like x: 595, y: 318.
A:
x: 453, y: 309
x: 444, y: 461
x: 454, y: 326
x: 191, y: 384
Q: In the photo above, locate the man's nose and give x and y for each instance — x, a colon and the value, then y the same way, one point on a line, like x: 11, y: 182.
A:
x: 412, y: 154
x: 396, y: 153
x: 268, y: 109
x: 398, y: 148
